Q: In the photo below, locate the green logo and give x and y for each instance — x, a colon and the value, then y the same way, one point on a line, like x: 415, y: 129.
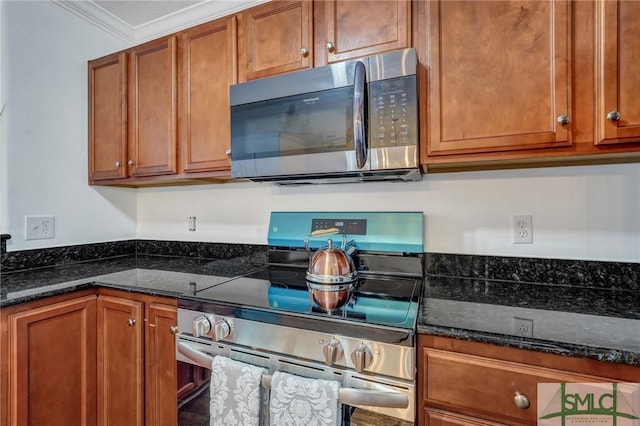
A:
x: 611, y: 403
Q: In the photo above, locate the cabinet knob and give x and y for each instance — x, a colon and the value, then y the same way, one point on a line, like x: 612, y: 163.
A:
x: 304, y: 52
x: 131, y: 162
x: 118, y: 164
x: 563, y: 119
x: 131, y: 322
x: 228, y: 151
x: 520, y: 400
x: 173, y: 330
x: 613, y: 116
x: 330, y: 47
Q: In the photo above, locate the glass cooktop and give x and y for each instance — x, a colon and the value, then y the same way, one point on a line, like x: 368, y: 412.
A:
x: 381, y: 300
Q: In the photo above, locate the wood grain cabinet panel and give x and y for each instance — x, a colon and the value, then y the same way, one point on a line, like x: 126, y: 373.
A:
x: 153, y: 108
x: 208, y: 67
x: 618, y: 71
x: 498, y: 75
x: 446, y: 418
x: 108, y: 117
x: 52, y: 364
x: 360, y: 28
x: 470, y: 383
x: 276, y: 38
x: 160, y: 365
x: 120, y: 361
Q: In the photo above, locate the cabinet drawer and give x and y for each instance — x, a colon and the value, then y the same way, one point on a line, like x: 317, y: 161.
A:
x: 486, y: 387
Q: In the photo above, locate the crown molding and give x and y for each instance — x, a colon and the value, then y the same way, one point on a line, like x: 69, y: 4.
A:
x: 99, y: 17
x: 188, y: 17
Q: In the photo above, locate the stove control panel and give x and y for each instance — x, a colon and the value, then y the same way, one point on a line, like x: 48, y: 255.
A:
x: 344, y: 226
x: 208, y: 326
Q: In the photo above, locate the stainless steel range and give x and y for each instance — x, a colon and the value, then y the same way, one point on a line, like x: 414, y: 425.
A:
x: 269, y: 318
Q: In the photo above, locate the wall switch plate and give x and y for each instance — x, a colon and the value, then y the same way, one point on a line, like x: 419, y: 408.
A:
x: 522, y: 229
x: 522, y: 327
x: 39, y: 227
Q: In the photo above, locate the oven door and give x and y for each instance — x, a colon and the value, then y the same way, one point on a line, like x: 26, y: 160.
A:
x: 379, y: 396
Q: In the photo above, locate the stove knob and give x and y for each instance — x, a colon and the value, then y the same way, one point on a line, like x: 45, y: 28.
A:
x: 332, y: 351
x: 362, y: 357
x: 201, y: 326
x: 221, y: 330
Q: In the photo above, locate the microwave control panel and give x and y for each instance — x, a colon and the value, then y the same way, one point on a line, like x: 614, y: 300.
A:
x: 393, y: 112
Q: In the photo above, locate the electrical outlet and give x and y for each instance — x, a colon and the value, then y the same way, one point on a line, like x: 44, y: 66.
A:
x: 192, y: 223
x: 522, y: 327
x: 522, y: 229
x: 39, y: 227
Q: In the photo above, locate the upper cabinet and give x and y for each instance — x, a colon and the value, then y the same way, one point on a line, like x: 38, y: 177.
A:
x: 133, y: 113
x: 208, y: 68
x: 276, y: 37
x: 108, y: 117
x: 498, y: 75
x: 618, y: 75
x: 153, y: 106
x: 360, y: 28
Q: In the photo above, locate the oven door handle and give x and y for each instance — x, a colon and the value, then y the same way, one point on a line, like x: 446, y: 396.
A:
x: 348, y: 396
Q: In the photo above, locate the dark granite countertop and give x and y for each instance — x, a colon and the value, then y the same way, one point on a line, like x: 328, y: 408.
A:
x: 569, y: 320
x: 156, y: 275
x: 574, y: 321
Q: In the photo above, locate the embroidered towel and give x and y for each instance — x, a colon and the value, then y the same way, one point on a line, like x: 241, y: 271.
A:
x: 298, y: 401
x: 235, y: 393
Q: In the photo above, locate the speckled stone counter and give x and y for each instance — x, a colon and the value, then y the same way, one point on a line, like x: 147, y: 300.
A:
x: 596, y: 323
x: 150, y: 274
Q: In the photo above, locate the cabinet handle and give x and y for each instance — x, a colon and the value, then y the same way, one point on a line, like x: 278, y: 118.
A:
x: 304, y: 52
x: 520, y: 400
x: 613, y: 116
x: 228, y: 151
x: 131, y: 322
x: 118, y: 164
x: 563, y: 119
x: 131, y: 162
x: 330, y: 47
x: 173, y: 330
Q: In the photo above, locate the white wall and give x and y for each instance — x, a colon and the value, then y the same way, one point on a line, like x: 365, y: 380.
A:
x: 586, y: 212
x: 44, y: 129
x: 580, y: 212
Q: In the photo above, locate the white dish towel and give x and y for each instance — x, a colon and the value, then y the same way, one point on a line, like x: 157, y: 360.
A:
x: 235, y: 393
x: 298, y: 401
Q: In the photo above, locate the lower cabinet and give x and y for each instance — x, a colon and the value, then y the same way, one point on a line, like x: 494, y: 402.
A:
x: 137, y: 380
x: 470, y: 383
x: 49, y: 363
x: 87, y: 359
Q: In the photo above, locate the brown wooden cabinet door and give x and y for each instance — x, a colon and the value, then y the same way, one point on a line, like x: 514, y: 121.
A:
x: 445, y: 418
x: 497, y: 75
x: 52, y: 364
x: 618, y: 71
x: 108, y: 117
x: 120, y: 361
x: 153, y: 108
x: 208, y: 67
x: 276, y: 38
x: 160, y: 359
x: 360, y: 28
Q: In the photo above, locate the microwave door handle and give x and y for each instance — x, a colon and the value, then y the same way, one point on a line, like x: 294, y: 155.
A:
x: 359, y: 133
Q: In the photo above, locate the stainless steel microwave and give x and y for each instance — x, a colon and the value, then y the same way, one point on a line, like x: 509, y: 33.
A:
x: 344, y: 122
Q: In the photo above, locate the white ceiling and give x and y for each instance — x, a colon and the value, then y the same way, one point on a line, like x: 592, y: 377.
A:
x: 136, y: 21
